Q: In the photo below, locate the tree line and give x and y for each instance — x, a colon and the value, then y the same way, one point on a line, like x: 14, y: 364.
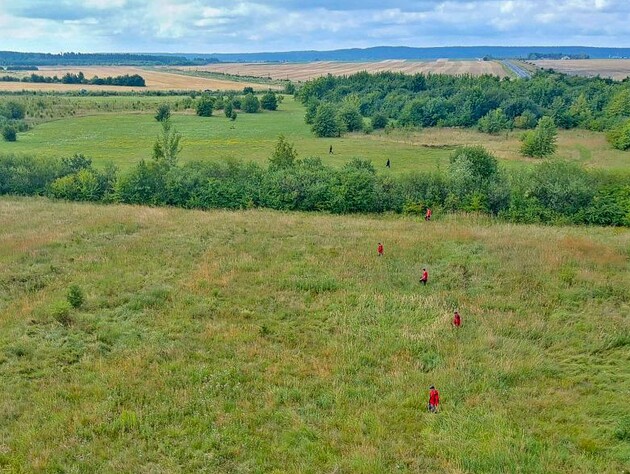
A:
x: 363, y: 101
x: 555, y: 192
x: 133, y: 80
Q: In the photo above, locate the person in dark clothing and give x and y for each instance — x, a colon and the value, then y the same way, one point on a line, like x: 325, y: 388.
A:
x: 388, y: 164
x: 330, y: 152
x: 434, y: 399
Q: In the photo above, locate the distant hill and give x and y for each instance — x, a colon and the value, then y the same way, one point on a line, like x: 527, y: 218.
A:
x: 381, y: 53
x: 15, y: 59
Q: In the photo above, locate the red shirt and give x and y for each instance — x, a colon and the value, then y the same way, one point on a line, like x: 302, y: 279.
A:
x: 457, y: 320
x: 425, y: 275
x: 428, y: 212
x: 380, y: 249
x: 434, y: 397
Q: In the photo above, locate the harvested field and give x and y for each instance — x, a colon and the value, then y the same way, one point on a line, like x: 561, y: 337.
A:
x: 614, y: 68
x: 155, y: 80
x: 306, y: 71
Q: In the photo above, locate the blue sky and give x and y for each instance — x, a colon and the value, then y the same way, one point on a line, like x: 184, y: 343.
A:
x: 208, y: 26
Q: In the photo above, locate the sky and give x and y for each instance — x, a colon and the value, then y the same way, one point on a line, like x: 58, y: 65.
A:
x: 231, y: 26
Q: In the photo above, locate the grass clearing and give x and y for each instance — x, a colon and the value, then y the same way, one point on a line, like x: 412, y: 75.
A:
x: 124, y: 130
x: 269, y: 342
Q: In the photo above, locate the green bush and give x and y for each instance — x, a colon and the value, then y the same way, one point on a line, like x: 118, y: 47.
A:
x: 75, y: 296
x: 540, y: 142
x: 60, y: 311
x: 163, y: 112
x: 205, y: 106
x: 251, y: 104
x: 326, y: 122
x: 379, y: 121
x: 9, y: 133
x: 619, y: 137
x: 269, y: 101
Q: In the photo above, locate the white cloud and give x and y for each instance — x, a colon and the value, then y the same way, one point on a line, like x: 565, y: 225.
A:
x: 255, y: 25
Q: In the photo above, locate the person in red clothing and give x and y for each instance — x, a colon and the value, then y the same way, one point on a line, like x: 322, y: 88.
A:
x: 425, y: 276
x: 434, y: 399
x: 457, y: 320
x: 379, y: 249
x: 427, y: 216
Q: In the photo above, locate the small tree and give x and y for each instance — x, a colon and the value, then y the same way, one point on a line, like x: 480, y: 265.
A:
x: 167, y: 145
x: 325, y: 123
x: 541, y: 141
x: 494, y: 122
x: 228, y: 109
x: 269, y: 101
x: 9, y: 133
x: 251, y: 104
x: 163, y: 112
x: 379, y: 120
x: 289, y: 88
x: 248, y: 90
x: 350, y: 118
x: 205, y: 106
x: 284, y: 154
x: 619, y: 137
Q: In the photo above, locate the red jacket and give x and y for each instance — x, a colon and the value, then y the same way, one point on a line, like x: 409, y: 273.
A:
x: 380, y: 249
x: 457, y: 320
x: 434, y: 397
x: 425, y: 275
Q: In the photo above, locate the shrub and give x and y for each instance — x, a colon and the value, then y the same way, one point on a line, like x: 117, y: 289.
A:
x: 228, y: 109
x: 619, y: 137
x: 540, y: 142
x: 269, y: 101
x: 494, y: 122
x: 379, y: 121
x: 60, y: 311
x: 350, y: 118
x: 9, y: 133
x: 326, y: 123
x: 75, y: 296
x: 163, y: 112
x: 205, y: 106
x: 251, y: 104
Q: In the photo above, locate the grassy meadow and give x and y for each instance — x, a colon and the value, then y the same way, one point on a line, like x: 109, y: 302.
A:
x: 122, y: 130
x: 259, y: 341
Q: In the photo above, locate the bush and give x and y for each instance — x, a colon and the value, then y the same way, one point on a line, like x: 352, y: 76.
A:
x: 12, y: 110
x: 269, y: 101
x: 75, y: 296
x: 619, y: 137
x: 60, y: 311
x: 494, y: 122
x: 251, y: 104
x: 163, y: 112
x: 9, y: 134
x: 540, y: 142
x: 350, y: 118
x: 379, y: 121
x: 326, y: 123
x: 228, y: 109
x: 205, y: 106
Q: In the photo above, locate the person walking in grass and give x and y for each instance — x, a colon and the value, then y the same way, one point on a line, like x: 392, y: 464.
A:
x: 388, y: 164
x: 330, y: 150
x: 379, y: 249
x: 425, y: 276
x: 427, y: 216
x: 434, y: 399
x: 457, y: 320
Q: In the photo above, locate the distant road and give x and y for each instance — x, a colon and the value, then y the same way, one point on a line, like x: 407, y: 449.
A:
x: 519, y: 71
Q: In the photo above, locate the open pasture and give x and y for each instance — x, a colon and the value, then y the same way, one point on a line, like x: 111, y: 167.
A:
x: 120, y: 134
x: 261, y: 341
x: 306, y: 71
x: 617, y: 69
x: 156, y: 80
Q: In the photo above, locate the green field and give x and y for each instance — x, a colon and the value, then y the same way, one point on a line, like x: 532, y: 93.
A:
x: 112, y: 131
x: 260, y: 341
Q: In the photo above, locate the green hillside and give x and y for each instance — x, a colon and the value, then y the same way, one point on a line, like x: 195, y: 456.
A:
x: 260, y: 341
